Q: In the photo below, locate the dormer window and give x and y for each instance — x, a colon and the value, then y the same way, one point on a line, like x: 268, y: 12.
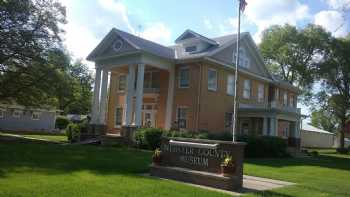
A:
x: 190, y: 49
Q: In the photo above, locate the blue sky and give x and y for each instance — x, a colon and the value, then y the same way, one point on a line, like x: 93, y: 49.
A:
x: 163, y: 21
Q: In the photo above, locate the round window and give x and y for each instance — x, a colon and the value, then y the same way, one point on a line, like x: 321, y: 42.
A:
x: 117, y: 45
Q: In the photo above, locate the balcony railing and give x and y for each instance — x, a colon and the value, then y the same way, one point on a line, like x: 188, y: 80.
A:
x: 273, y: 105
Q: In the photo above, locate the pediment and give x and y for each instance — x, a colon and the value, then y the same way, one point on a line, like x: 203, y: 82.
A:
x: 111, y: 45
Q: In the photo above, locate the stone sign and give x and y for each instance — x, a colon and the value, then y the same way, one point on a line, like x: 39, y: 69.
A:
x: 195, y: 160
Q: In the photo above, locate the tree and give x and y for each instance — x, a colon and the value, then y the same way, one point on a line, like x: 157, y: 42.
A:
x: 292, y: 53
x: 74, y: 91
x: 29, y: 36
x: 323, y: 119
x: 334, y: 75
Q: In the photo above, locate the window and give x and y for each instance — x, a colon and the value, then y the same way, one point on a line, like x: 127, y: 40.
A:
x: 17, y: 113
x: 285, y: 99
x: 184, y: 77
x: 247, y: 89
x: 118, y: 116
x: 277, y: 94
x: 261, y: 93
x: 291, y: 100
x: 35, y: 115
x: 243, y: 58
x: 228, y: 120
x: 182, y: 117
x: 2, y: 113
x: 231, y: 85
x: 121, y: 83
x: 191, y: 49
x: 212, y: 80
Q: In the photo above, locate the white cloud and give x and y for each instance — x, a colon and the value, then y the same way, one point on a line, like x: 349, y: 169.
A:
x: 157, y: 32
x: 119, y: 9
x: 278, y: 12
x: 208, y: 24
x: 333, y: 21
x: 339, y: 4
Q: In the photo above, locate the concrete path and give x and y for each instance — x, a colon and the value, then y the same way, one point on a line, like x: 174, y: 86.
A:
x: 251, y: 184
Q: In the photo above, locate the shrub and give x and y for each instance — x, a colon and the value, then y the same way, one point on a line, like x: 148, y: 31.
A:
x: 61, y: 122
x: 73, y: 132
x: 264, y: 146
x: 314, y: 153
x: 224, y: 136
x: 148, y: 138
x: 342, y: 150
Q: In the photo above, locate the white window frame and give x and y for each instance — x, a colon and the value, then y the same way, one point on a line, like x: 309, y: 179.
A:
x: 291, y: 100
x: 285, y: 99
x: 115, y: 117
x: 2, y: 113
x: 179, y: 77
x: 216, y: 80
x: 244, y: 61
x: 261, y: 92
x: 186, y: 118
x: 17, y: 113
x: 38, y: 115
x: 247, y: 91
x: 230, y: 86
x: 126, y: 79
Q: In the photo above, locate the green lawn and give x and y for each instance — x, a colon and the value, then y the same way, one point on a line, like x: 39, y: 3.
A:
x: 45, y: 136
x: 34, y: 169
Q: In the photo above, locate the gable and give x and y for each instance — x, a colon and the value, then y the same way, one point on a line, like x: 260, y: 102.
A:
x: 117, y: 46
x: 255, y: 66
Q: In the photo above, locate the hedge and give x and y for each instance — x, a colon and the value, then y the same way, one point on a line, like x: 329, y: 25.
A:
x: 257, y: 146
x: 61, y: 122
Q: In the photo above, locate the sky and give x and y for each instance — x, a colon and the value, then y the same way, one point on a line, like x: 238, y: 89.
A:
x: 163, y: 21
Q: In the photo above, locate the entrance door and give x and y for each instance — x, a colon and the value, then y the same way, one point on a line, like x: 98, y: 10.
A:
x: 148, y: 118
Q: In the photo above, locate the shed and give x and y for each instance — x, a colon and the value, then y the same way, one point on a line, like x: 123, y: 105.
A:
x: 316, y: 138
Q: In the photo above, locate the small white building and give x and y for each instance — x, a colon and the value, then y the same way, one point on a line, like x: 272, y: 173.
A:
x: 314, y: 137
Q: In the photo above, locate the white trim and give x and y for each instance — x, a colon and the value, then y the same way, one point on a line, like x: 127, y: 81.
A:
x: 17, y: 113
x: 245, y: 88
x: 118, y: 84
x: 261, y: 87
x: 115, y: 117
x: 216, y: 81
x: 38, y: 115
x: 179, y: 76
x: 233, y: 85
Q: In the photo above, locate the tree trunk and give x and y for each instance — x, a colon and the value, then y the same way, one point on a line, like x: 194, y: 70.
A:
x: 341, y: 139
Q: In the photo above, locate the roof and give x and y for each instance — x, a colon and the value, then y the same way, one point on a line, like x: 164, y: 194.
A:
x: 309, y: 128
x: 195, y: 34
x: 176, y: 52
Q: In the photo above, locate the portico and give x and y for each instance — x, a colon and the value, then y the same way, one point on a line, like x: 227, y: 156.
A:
x: 124, y: 105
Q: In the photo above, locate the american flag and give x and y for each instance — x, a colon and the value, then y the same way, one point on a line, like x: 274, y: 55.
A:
x: 242, y: 5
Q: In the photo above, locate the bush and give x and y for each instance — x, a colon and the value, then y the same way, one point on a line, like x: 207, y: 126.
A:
x: 342, y: 150
x: 73, y: 132
x: 61, y: 122
x: 148, y: 138
x: 314, y: 153
x: 264, y: 146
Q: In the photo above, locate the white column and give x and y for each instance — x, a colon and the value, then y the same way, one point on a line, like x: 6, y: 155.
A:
x: 265, y: 126
x: 96, y: 101
x: 170, y: 98
x: 273, y: 126
x: 130, y: 95
x: 103, y: 104
x: 139, y: 94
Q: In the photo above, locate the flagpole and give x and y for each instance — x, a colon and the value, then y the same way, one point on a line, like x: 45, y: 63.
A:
x: 234, y: 123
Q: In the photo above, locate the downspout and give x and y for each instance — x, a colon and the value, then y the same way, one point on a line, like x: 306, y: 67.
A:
x: 199, y: 96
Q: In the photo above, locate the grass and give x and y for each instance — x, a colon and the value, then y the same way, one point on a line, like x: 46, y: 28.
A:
x: 54, y: 137
x: 34, y: 169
